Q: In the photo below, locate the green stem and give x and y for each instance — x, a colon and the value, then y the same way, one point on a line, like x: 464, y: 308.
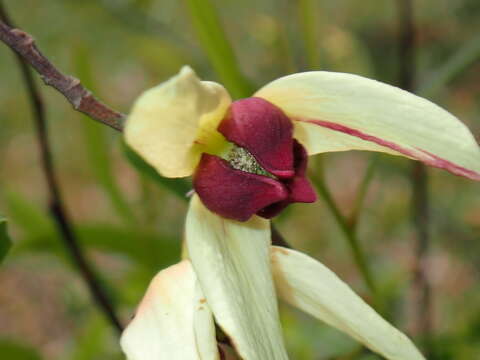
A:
x: 363, y: 190
x: 347, y: 230
x: 309, y: 22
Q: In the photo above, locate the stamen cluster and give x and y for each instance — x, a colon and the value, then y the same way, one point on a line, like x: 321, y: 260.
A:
x: 241, y: 159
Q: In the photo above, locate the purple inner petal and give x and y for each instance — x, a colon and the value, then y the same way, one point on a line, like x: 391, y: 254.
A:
x: 232, y: 193
x: 299, y: 188
x: 265, y: 171
x: 265, y: 131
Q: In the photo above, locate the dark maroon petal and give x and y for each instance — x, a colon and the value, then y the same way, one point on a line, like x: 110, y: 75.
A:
x: 232, y: 193
x: 264, y: 130
x: 299, y: 188
x: 274, y: 209
x: 300, y: 157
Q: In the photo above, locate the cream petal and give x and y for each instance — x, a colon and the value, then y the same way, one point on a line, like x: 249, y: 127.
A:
x: 205, y: 333
x: 337, y: 112
x: 307, y: 284
x: 232, y: 262
x: 172, y: 124
x: 173, y: 320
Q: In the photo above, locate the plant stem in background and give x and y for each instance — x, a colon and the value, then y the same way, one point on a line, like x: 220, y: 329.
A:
x: 56, y: 205
x: 5, y: 242
x: 347, y: 229
x: 363, y: 190
x: 277, y: 238
x: 307, y: 11
x: 309, y: 21
x: 421, y: 301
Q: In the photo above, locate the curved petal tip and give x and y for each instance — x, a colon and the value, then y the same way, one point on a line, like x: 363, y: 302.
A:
x: 338, y: 112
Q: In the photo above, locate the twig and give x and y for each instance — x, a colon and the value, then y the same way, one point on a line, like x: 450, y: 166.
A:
x: 56, y: 205
x: 81, y: 99
x: 419, y: 180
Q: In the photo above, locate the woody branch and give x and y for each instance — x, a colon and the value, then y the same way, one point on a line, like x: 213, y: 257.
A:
x: 81, y: 98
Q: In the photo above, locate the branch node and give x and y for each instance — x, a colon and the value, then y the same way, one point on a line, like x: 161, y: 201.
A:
x: 26, y: 39
x: 80, y: 98
x: 46, y: 80
x: 73, y: 81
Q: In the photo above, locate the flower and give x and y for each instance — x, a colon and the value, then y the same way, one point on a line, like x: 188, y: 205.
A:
x: 265, y: 171
x: 249, y: 157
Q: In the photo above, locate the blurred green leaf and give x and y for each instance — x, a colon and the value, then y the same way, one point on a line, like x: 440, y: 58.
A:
x: 30, y: 218
x: 212, y: 37
x: 89, y: 345
x: 10, y: 350
x: 467, y: 55
x: 34, y: 223
x: 143, y: 3
x: 179, y: 187
x: 99, y: 154
x: 144, y: 248
x: 309, y: 16
x: 94, y: 340
x: 5, y: 242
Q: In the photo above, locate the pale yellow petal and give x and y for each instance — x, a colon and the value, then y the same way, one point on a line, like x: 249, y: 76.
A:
x: 337, y: 112
x: 173, y: 321
x: 232, y: 262
x: 172, y: 124
x: 307, y: 284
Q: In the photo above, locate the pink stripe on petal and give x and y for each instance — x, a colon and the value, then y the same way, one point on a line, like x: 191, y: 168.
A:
x: 441, y: 163
x: 418, y: 154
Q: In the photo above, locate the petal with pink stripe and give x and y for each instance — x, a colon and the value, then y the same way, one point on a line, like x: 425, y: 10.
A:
x: 338, y: 112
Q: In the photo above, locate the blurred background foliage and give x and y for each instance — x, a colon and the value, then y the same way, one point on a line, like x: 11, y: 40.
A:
x: 131, y: 225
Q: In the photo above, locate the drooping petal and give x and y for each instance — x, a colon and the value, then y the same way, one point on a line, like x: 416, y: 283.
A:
x: 310, y: 286
x: 173, y: 320
x: 299, y: 186
x: 232, y: 262
x: 232, y: 193
x: 172, y: 124
x: 337, y: 112
x: 264, y: 130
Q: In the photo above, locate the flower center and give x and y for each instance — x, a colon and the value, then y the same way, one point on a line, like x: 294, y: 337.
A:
x: 241, y: 159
